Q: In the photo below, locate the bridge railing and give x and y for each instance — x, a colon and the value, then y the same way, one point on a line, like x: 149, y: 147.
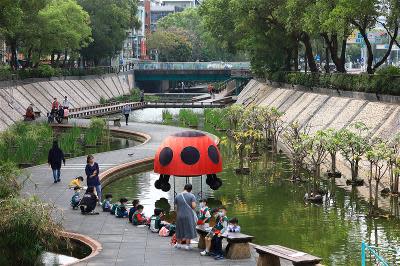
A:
x: 376, y: 255
x: 192, y: 65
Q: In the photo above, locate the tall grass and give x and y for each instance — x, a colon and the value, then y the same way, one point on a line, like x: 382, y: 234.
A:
x: 69, y: 140
x: 24, y: 142
x: 167, y: 117
x: 98, y: 132
x: 216, y: 118
x: 188, y: 117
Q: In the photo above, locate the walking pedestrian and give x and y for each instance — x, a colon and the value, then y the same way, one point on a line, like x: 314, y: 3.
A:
x: 141, y: 96
x: 186, y: 217
x: 55, y: 158
x: 92, y: 175
x: 126, y: 110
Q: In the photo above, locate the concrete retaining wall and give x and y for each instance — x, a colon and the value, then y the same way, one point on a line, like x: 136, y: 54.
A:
x: 319, y: 111
x: 81, y: 91
x: 322, y: 111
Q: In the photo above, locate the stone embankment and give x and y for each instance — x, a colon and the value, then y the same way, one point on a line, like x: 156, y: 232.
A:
x: 81, y: 91
x: 321, y: 111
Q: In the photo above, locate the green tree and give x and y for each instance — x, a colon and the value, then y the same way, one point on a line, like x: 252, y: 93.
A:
x: 172, y: 45
x: 364, y: 15
x: 19, y: 23
x: 204, y: 46
x: 66, y: 28
x: 110, y: 19
x: 353, y: 146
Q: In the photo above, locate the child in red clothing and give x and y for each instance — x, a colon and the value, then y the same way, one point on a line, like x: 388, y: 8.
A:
x: 138, y: 216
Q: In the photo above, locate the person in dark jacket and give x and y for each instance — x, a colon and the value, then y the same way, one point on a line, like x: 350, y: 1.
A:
x: 55, y: 158
x: 88, y: 202
x: 92, y: 174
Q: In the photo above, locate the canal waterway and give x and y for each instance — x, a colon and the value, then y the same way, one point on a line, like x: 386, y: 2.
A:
x: 271, y: 207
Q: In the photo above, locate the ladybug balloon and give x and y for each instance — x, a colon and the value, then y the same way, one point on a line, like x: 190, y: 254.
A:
x: 189, y: 153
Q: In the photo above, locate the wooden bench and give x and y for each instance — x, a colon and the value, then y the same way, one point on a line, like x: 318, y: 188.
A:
x: 116, y: 121
x: 270, y: 256
x: 238, y: 244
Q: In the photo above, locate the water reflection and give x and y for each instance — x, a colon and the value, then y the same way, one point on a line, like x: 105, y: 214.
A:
x: 271, y: 207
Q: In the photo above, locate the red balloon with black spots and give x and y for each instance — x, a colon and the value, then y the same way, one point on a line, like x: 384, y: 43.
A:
x: 189, y: 153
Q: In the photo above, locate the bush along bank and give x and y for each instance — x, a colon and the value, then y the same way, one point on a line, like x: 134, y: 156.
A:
x: 384, y: 81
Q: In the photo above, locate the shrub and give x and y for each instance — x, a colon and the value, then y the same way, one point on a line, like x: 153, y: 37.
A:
x: 27, y: 229
x: 5, y: 72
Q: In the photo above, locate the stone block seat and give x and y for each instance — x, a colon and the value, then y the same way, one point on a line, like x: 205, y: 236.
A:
x: 238, y: 244
x: 270, y: 256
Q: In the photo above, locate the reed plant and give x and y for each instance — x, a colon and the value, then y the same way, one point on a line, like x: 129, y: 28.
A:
x: 167, y: 116
x: 188, y: 117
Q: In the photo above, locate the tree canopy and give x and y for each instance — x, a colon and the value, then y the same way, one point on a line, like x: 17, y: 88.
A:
x: 275, y: 32
x: 110, y: 20
x: 204, y: 46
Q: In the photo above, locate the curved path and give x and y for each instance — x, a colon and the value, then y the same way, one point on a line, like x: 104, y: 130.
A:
x: 122, y: 243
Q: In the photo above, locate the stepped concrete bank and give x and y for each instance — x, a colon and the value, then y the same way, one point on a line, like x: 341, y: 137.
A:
x: 81, y: 91
x: 322, y: 111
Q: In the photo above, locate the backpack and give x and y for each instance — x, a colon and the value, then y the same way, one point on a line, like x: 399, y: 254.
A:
x: 164, y: 231
x: 114, y: 208
x: 154, y: 224
x: 120, y: 211
x: 75, y: 200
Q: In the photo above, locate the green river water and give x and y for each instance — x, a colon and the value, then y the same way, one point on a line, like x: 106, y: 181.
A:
x: 271, y: 208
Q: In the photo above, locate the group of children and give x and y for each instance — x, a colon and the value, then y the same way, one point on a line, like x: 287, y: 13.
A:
x: 134, y: 213
x: 223, y: 226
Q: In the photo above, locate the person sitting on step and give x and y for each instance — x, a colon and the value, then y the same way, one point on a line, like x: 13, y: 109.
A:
x: 138, y: 216
x: 156, y: 222
x: 106, y: 205
x: 122, y: 211
x: 132, y: 210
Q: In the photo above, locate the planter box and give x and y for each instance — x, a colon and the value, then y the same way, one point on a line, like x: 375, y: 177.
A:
x: 356, y: 183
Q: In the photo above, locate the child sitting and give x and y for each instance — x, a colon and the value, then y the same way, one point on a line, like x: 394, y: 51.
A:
x: 155, y: 220
x: 204, y: 215
x: 76, y: 198
x: 107, y: 203
x: 234, y: 226
x: 76, y: 182
x: 132, y: 210
x: 138, y: 216
x: 214, y: 238
x: 122, y: 211
x: 88, y: 202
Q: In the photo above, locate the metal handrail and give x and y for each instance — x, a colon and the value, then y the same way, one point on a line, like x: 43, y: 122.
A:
x: 365, y: 247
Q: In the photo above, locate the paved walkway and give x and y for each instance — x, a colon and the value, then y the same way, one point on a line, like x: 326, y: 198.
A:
x: 123, y: 243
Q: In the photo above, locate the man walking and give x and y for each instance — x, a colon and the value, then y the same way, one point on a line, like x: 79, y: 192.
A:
x: 126, y: 110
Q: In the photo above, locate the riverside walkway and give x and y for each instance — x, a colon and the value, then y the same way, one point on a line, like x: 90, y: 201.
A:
x: 122, y: 243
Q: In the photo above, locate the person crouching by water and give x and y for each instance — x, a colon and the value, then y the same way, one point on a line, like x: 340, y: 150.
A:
x: 92, y: 175
x: 54, y: 159
x: 88, y: 202
x: 185, y: 204
x: 126, y: 110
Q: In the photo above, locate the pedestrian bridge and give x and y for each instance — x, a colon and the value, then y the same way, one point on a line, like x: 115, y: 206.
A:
x: 159, y: 74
